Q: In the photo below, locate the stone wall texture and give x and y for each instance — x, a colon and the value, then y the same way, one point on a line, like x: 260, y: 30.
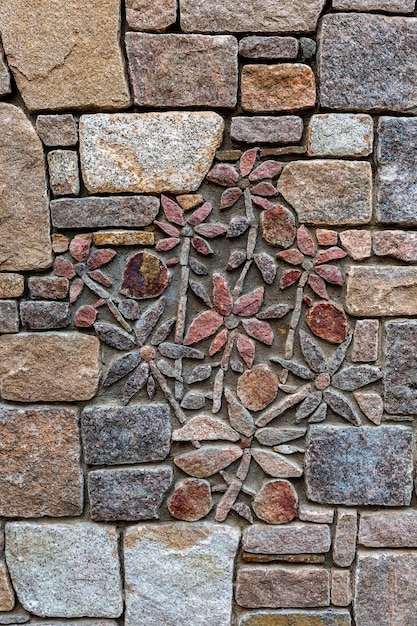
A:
x: 208, y: 312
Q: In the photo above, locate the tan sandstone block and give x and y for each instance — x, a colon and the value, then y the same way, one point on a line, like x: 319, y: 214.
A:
x: 381, y: 291
x: 283, y: 87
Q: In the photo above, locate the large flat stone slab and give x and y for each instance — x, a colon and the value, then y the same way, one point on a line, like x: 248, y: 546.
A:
x: 328, y: 617
x: 193, y: 564
x: 65, y: 56
x: 148, y: 153
x: 379, y: 291
x: 400, y: 374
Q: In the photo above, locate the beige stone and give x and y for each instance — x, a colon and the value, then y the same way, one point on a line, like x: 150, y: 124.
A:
x: 341, y: 587
x: 5, y: 86
x: 282, y: 87
x: 63, y: 172
x: 24, y: 226
x: 381, y: 291
x: 11, y: 285
x: 150, y: 152
x: 49, y: 367
x: 65, y: 55
x: 151, y: 15
x: 335, y: 134
x: 6, y: 590
x: 123, y: 238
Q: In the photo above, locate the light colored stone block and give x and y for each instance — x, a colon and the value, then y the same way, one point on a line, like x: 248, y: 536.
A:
x: 340, y: 135
x: 379, y: 291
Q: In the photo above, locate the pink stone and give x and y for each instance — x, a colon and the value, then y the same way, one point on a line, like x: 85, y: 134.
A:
x: 85, y: 316
x: 331, y: 274
x: 222, y: 299
x: 204, y: 428
x: 164, y: 245
x: 210, y: 230
x: 230, y: 197
x: 99, y: 258
x: 259, y: 330
x: 223, y: 174
x: 257, y: 388
x: 208, y: 460
x: 398, y: 244
x: 268, y: 169
x: 191, y: 500
x: 341, y: 587
x: 167, y: 228
x: 218, y: 342
x: 200, y: 214
x: 329, y: 255
x: 318, y: 286
x: 365, y: 341
x: 277, y: 502
x: 276, y: 465
x: 247, y: 161
x: 174, y: 261
x: 76, y: 289
x: 250, y: 303
x: 203, y: 326
x: 101, y: 278
x: 173, y: 211
x: 344, y: 544
x: 371, y: 405
x: 305, y: 242
x: 328, y: 322
x: 326, y: 237
x: 65, y: 268
x: 278, y: 226
x: 264, y: 189
x: 201, y: 246
x: 288, y: 278
x: 357, y: 243
x: 80, y: 247
x: 293, y: 256
x: 246, y: 349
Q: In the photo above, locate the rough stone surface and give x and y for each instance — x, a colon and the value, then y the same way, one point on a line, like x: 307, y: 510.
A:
x: 65, y: 570
x: 282, y: 587
x: 49, y: 367
x: 48, y: 288
x: 118, y: 435
x: 400, y: 393
x: 263, y: 129
x: 398, y: 244
x: 7, y: 599
x: 161, y: 152
x: 340, y: 135
x: 390, y: 6
x: 328, y: 617
x: 295, y: 538
x: 18, y: 616
x: 40, y: 472
x: 357, y: 243
x: 268, y: 47
x: 47, y: 61
x: 118, y: 211
x: 353, y: 466
x: 329, y: 193
x: 128, y: 494
x: 365, y: 341
x: 359, y: 53
x: 283, y: 87
x: 381, y: 291
x: 183, y: 70
x: 386, y: 529
x: 24, y: 228
x: 63, y: 172
x: 344, y: 543
x: 5, y: 84
x: 150, y: 14
x: 57, y: 130
x: 198, y: 581
x: 44, y: 315
x: 341, y: 587
x: 276, y: 502
x: 11, y: 285
x: 9, y: 317
x: 257, y: 387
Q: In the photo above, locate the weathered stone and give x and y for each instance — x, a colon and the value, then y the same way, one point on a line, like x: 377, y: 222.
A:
x: 329, y: 617
x: 365, y: 341
x: 6, y: 590
x: 263, y: 129
x: 245, y: 16
x: 161, y: 152
x: 327, y: 321
x: 278, y: 226
x: 118, y: 435
x: 295, y: 538
x: 326, y: 237
x: 49, y: 288
x: 310, y: 559
x: 68, y: 570
x: 5, y: 84
x: 379, y: 291
x: 198, y: 581
x: 400, y: 378
x: 398, y: 244
x: 191, y: 500
x: 63, y: 172
x: 24, y: 230
x: 386, y: 586
x: 329, y: 192
x: 257, y: 388
x: 208, y: 460
x: 318, y: 515
x: 60, y: 243
x: 47, y: 61
x: 386, y: 529
x: 284, y: 87
x: 268, y: 47
x: 11, y: 285
x: 40, y: 470
x: 341, y: 587
x: 144, y: 276
x: 183, y: 70
x: 359, y: 53
x: 352, y: 466
x: 390, y: 6
x: 44, y: 315
x: 344, y: 544
x: 276, y: 502
x: 49, y: 367
x: 128, y: 494
x: 276, y: 465
x: 371, y: 404
x: 57, y: 130
x: 339, y: 135
x: 9, y: 317
x: 276, y: 587
x: 357, y: 243
x: 150, y: 15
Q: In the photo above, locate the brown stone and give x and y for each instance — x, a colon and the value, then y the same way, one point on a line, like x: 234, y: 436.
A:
x: 257, y: 388
x: 268, y: 47
x: 11, y: 285
x: 295, y: 538
x: 344, y: 544
x: 371, y: 404
x: 365, y: 341
x: 40, y: 472
x: 378, y: 291
x: 60, y: 243
x: 49, y: 367
x: 265, y: 129
x: 5, y: 83
x: 48, y: 288
x: 145, y: 276
x: 386, y: 529
x: 327, y: 321
x: 57, y: 130
x: 48, y: 60
x: 277, y: 502
x: 341, y: 587
x: 284, y: 87
x: 97, y: 212
x: 9, y: 317
x: 183, y: 70
x: 123, y: 238
x: 207, y: 460
x: 152, y: 15
x: 191, y: 500
x: 390, y: 6
x: 6, y: 589
x: 278, y: 226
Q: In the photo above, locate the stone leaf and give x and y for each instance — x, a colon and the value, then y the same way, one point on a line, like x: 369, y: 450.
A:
x: 200, y: 292
x: 239, y: 417
x: 176, y: 351
x: 203, y: 428
x: 276, y: 465
x: 161, y: 333
x: 250, y: 303
x: 275, y: 436
x: 371, y: 404
x: 193, y: 400
x: 202, y: 327
x: 266, y: 265
x: 208, y: 460
x: 246, y: 349
x: 355, y: 377
x: 327, y: 321
x: 120, y: 368
x: 342, y: 406
x: 259, y: 330
x: 148, y: 321
x: 295, y: 368
x: 200, y: 373
x: 312, y: 353
x: 113, y: 336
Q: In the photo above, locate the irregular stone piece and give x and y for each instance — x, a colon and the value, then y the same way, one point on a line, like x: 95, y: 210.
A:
x: 65, y: 570
x: 318, y: 515
x: 202, y: 428
x: 295, y: 538
x: 47, y: 62
x: 340, y: 135
x: 198, y: 581
x: 245, y: 16
x: 341, y: 587
x: 329, y: 617
x: 63, y: 172
x: 275, y: 587
x: 144, y: 276
x: 11, y: 285
x: 57, y: 130
x: 358, y: 53
x: 327, y: 321
x: 118, y: 435
x: 386, y: 529
x: 390, y: 6
x: 150, y: 152
x: 357, y: 243
x: 386, y: 585
x: 371, y: 404
x: 352, y: 466
x: 6, y: 591
x: 183, y: 70
x: 365, y: 341
x: 276, y: 465
x: 276, y: 502
x: 263, y: 129
x: 191, y: 500
x: 49, y: 367
x: 150, y: 15
x: 48, y: 288
x: 268, y: 47
x: 328, y: 192
x: 283, y: 87
x: 128, y: 494
x: 122, y: 211
x: 207, y: 460
x: 278, y: 226
x: 18, y: 616
x: 400, y: 379
x: 40, y: 470
x: 378, y: 291
x: 257, y: 388
x: 344, y: 544
x: 9, y: 317
x: 24, y: 231
x: 44, y: 315
x: 398, y: 244
x: 5, y: 84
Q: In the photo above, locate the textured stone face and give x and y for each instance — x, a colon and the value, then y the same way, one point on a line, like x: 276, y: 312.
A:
x: 47, y: 61
x: 40, y: 470
x: 263, y: 129
x: 338, y: 135
x: 9, y: 317
x: 69, y: 570
x: 5, y: 85
x: 268, y: 47
x: 352, y: 466
x: 44, y: 315
x: 383, y: 290
x: 328, y: 192
x: 198, y: 581
x: 6, y: 591
x: 390, y: 6
x: 183, y: 70
x: 151, y: 153
x: 386, y: 529
x: 150, y: 14
x: 24, y: 229
x: 365, y: 341
x: 63, y: 173
x: 11, y: 285
x: 49, y: 367
x: 344, y: 544
x: 328, y: 617
x: 122, y: 211
x: 358, y: 54
x: 341, y: 587
x: 283, y: 87
x: 400, y: 367
x: 295, y: 538
x: 57, y: 130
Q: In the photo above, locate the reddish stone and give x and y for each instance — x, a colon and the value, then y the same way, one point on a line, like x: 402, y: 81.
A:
x: 145, y: 276
x: 250, y: 303
x: 200, y: 214
x: 247, y: 161
x: 318, y: 286
x: 48, y: 288
x: 223, y: 174
x: 85, y: 316
x: 365, y: 341
x: 328, y: 322
x: 76, y: 290
x: 246, y: 349
x: 277, y: 502
x: 331, y: 274
x: 99, y: 258
x: 293, y: 256
x: 201, y: 246
x: 167, y: 228
x: 357, y: 243
x: 218, y: 342
x: 259, y: 330
x: 191, y: 500
x: 398, y: 244
x: 222, y: 299
x: 63, y: 267
x: 230, y: 197
x: 257, y: 388
x: 80, y: 247
x: 326, y: 237
x: 278, y: 226
x: 101, y: 278
x: 164, y: 245
x: 203, y: 326
x: 305, y: 242
x: 210, y: 230
x: 208, y: 460
x: 174, y: 261
x: 330, y: 255
x: 173, y: 211
x: 288, y: 278
x: 264, y: 189
x: 268, y: 169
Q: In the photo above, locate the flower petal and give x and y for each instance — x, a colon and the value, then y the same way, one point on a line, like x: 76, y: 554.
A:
x: 331, y: 274
x: 267, y: 169
x: 173, y: 212
x: 201, y: 246
x: 247, y: 161
x: 168, y: 229
x: 259, y: 330
x: 249, y: 304
x: 318, y: 286
x: 218, y: 342
x: 223, y: 174
x: 305, y: 242
x: 136, y: 382
x: 169, y: 243
x: 313, y: 354
x: 288, y: 278
x: 222, y: 298
x: 246, y: 349
x: 203, y: 326
x: 342, y: 406
x: 356, y: 376
x: 330, y: 255
x: 210, y: 230
x: 230, y: 197
x: 208, y: 460
x: 291, y: 256
x: 200, y: 214
x: 265, y: 190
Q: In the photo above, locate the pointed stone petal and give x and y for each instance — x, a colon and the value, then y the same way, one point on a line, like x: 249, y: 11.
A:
x: 276, y: 465
x: 355, y: 377
x: 210, y: 230
x: 266, y: 190
x: 305, y: 242
x: 200, y: 292
x: 173, y: 212
x: 295, y: 368
x: 176, y: 351
x: 222, y: 299
x: 292, y: 256
x: 250, y: 303
x: 162, y: 332
x: 121, y: 367
x: 230, y: 197
x: 247, y: 161
x: 246, y: 349
x: 200, y: 373
x: 282, y: 405
x: 327, y: 321
x: 275, y: 436
x: 268, y: 169
x: 136, y: 382
x: 313, y: 354
x: 218, y: 342
x: 308, y: 406
x: 200, y: 214
x: 318, y: 286
x: 203, y: 428
x: 236, y: 259
x: 201, y: 246
x: 288, y: 278
x: 100, y: 257
x: 330, y: 255
x: 148, y: 320
x: 239, y: 417
x: 113, y: 336
x: 331, y: 274
x: 203, y: 326
x: 267, y: 266
x: 341, y: 406
x: 259, y: 330
x: 276, y: 311
x: 164, y: 245
x: 208, y: 460
x: 223, y: 174
x: 101, y: 278
x: 168, y: 229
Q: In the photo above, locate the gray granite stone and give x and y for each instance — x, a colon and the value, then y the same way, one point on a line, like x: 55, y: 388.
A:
x: 5, y: 83
x: 273, y: 47
x: 344, y: 543
x: 338, y: 135
x: 63, y: 172
x: 353, y: 466
x: 294, y: 538
x: 264, y: 129
x: 400, y: 374
x: 44, y: 315
x: 9, y: 317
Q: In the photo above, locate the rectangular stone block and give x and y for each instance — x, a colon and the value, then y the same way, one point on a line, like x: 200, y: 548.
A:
x: 117, y: 211
x: 123, y: 238
x: 272, y: 47
x: 341, y: 587
x: 339, y: 135
x: 365, y: 341
x: 390, y: 6
x: 264, y: 129
x: 400, y: 374
x: 49, y: 367
x: 48, y: 288
x: 183, y: 70
x: 57, y: 130
x: 344, y: 544
x: 379, y: 291
x: 152, y: 15
x: 9, y: 317
x: 282, y: 587
x: 63, y: 172
x: 353, y: 466
x: 283, y: 87
x: 386, y: 529
x: 44, y: 315
x: 11, y: 285
x: 328, y: 617
x: 196, y: 587
x: 295, y: 538
x: 398, y: 244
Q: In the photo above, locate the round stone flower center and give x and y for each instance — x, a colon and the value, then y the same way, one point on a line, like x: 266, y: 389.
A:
x: 147, y: 353
x: 322, y: 381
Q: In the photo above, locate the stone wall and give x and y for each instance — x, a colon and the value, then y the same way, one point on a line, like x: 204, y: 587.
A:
x: 208, y: 312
